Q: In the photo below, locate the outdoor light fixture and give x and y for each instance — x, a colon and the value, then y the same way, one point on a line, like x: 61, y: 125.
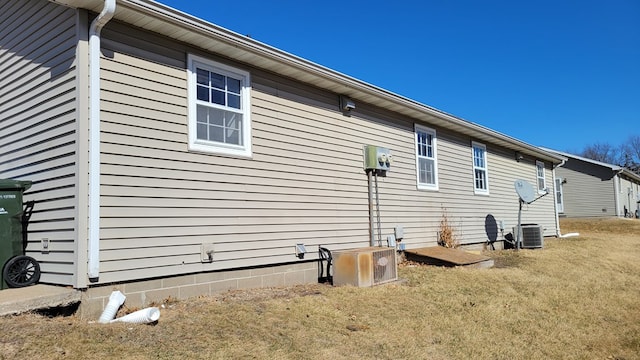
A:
x: 519, y: 156
x: 346, y: 104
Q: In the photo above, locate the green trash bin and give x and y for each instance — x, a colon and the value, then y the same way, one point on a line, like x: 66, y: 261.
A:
x: 18, y: 270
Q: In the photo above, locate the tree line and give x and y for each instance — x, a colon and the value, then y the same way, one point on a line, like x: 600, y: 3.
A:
x: 626, y: 154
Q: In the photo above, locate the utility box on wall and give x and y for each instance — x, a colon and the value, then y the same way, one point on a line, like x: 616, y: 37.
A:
x: 376, y: 158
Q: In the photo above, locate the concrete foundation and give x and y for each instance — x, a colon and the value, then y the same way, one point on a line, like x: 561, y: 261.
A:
x: 141, y: 294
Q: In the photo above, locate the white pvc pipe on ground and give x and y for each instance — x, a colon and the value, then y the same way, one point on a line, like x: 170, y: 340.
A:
x: 143, y: 316
x: 116, y: 299
x: 569, y: 235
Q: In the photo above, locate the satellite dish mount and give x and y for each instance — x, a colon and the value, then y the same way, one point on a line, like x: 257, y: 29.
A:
x: 526, y: 195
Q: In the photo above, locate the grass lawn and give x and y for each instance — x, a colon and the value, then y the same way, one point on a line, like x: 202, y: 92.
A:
x: 578, y: 298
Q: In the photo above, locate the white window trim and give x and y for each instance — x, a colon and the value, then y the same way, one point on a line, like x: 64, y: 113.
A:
x: 419, y: 185
x: 211, y: 147
x: 557, y: 189
x: 486, y: 168
x: 544, y: 177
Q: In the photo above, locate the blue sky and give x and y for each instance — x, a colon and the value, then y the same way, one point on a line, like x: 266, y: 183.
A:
x: 560, y: 74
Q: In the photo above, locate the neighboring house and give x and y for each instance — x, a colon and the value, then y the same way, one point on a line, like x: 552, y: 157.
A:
x: 589, y: 188
x: 206, y: 156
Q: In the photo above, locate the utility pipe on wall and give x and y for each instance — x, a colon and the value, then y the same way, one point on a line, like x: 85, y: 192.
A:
x: 93, y: 248
x: 372, y: 237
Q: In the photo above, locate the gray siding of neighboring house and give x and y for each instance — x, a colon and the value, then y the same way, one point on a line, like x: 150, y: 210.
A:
x: 627, y: 195
x: 589, y: 189
x: 38, y: 127
x: 304, y: 184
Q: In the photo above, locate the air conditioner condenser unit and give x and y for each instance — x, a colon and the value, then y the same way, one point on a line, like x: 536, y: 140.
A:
x: 532, y: 236
x: 364, y: 267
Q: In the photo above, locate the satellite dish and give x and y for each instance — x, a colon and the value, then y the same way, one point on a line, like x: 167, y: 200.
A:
x: 525, y: 191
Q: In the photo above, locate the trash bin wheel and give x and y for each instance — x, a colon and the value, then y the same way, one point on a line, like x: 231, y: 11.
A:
x: 21, y: 271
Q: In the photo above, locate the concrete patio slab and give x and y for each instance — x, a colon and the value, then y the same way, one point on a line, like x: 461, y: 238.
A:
x: 36, y: 297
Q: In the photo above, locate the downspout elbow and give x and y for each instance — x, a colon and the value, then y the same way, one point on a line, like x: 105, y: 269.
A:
x: 93, y: 248
x: 560, y: 164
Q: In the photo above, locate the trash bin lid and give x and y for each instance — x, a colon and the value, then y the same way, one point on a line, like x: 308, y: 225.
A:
x: 8, y: 184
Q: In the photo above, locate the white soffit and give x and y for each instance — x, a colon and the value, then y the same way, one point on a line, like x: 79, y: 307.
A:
x: 169, y: 22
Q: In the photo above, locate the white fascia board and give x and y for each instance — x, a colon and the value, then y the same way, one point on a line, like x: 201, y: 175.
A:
x: 354, y: 88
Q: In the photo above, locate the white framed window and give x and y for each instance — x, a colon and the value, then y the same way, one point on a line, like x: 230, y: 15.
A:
x: 542, y: 186
x: 426, y: 159
x: 480, y: 171
x: 559, y: 196
x: 219, y: 108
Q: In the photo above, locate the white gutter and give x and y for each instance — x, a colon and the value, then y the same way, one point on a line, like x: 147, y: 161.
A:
x: 406, y: 106
x: 213, y: 38
x: 94, y: 138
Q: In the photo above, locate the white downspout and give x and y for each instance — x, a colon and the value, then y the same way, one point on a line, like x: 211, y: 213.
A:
x: 616, y: 192
x: 555, y: 206
x: 94, y: 138
x: 555, y: 199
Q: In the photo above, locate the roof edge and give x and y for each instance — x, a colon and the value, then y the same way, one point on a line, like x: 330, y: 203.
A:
x: 193, y: 23
x: 619, y: 169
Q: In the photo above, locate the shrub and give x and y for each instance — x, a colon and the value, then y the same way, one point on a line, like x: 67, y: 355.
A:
x: 446, y: 235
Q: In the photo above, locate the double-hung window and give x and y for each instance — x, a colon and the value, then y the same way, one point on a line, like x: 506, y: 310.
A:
x: 426, y: 164
x: 480, y: 172
x: 219, y: 108
x: 542, y: 187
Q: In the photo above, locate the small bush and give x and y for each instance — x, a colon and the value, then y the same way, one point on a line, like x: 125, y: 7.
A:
x: 446, y: 235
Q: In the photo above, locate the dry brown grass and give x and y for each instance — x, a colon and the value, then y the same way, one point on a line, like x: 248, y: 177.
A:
x: 578, y: 298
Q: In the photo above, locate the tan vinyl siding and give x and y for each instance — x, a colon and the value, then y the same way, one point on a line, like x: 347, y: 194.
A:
x: 465, y: 210
x: 162, y: 202
x: 38, y: 124
x: 303, y: 184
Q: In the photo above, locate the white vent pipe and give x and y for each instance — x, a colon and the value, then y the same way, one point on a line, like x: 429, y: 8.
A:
x: 94, y: 138
x: 116, y: 299
x: 144, y: 316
